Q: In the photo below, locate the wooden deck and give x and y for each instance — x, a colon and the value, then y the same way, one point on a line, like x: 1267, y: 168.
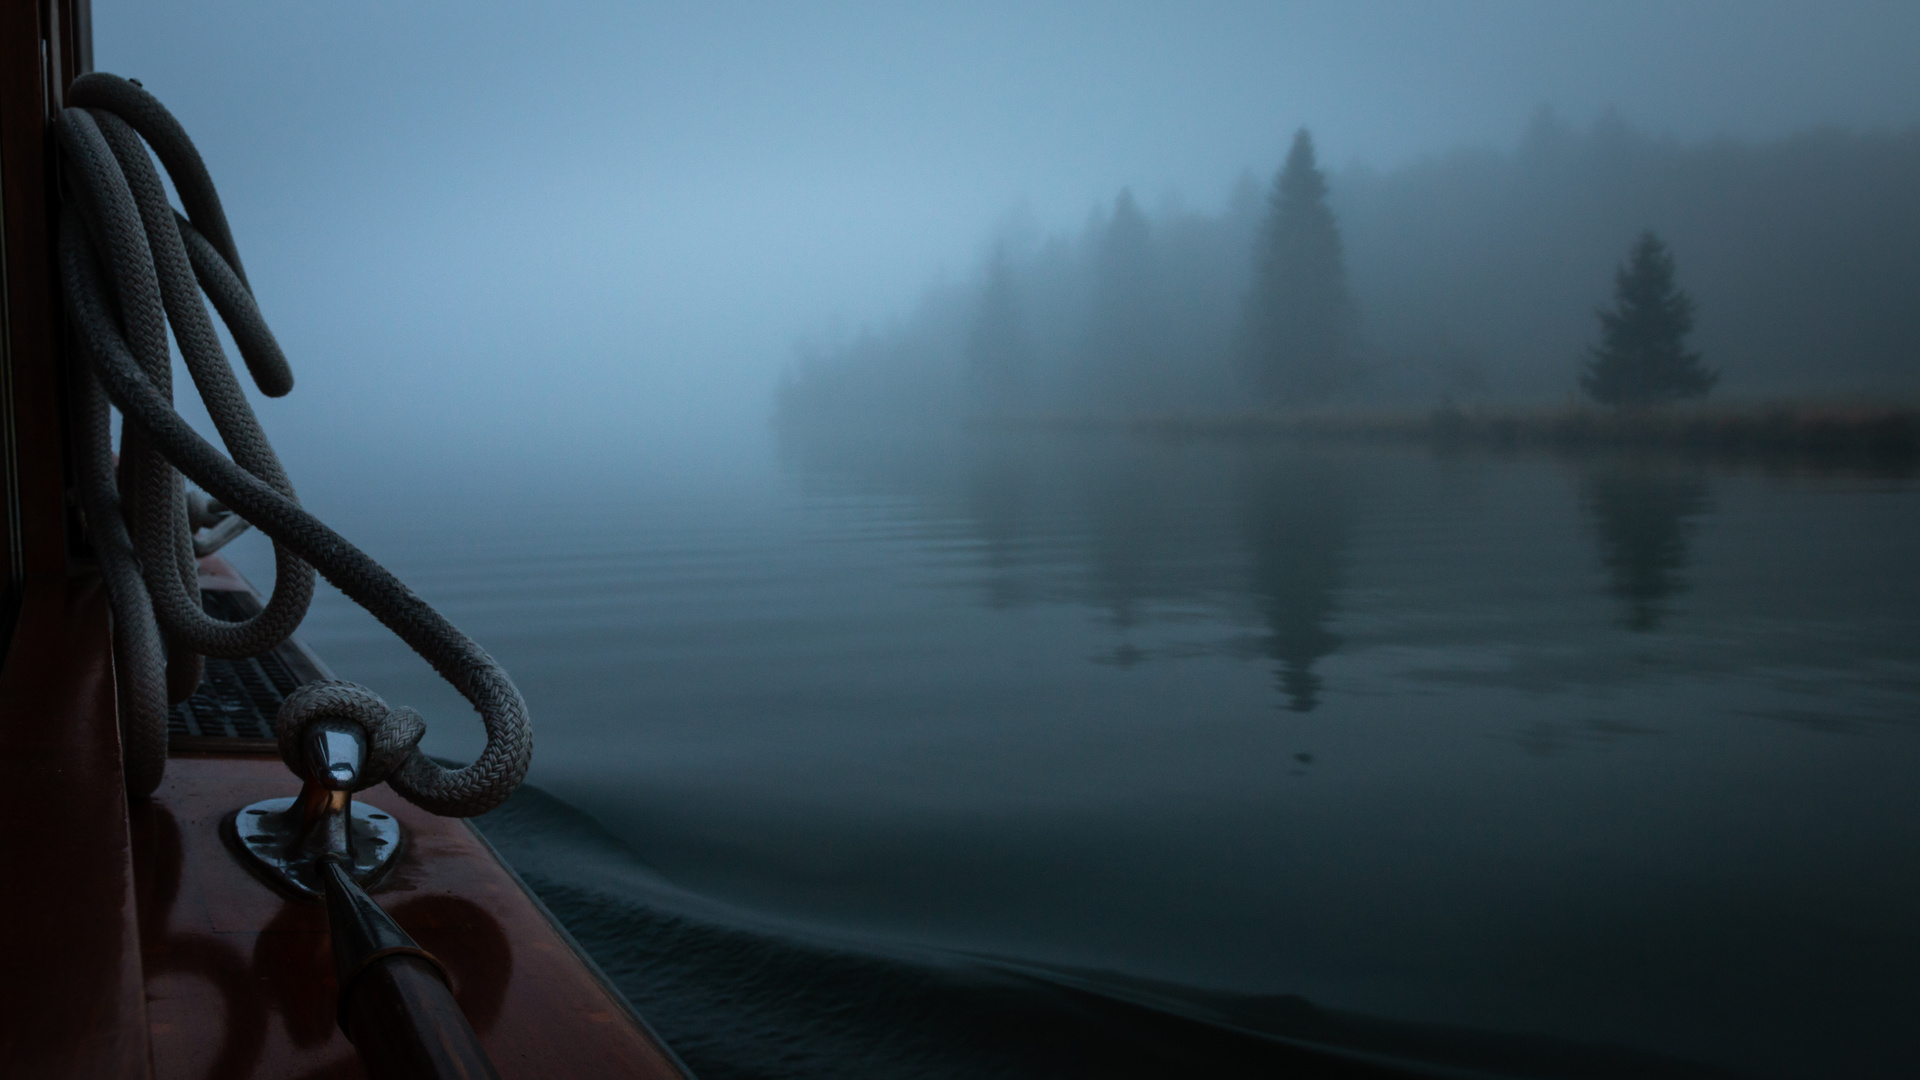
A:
x: 240, y: 982
x: 70, y: 997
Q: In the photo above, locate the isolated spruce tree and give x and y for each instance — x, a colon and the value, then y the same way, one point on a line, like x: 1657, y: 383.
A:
x: 1642, y: 358
x: 1300, y: 322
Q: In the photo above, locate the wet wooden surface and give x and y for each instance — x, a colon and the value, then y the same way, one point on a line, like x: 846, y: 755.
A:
x: 240, y: 981
x: 71, y: 1003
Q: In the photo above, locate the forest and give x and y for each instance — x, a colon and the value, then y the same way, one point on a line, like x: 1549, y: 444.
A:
x: 1472, y: 277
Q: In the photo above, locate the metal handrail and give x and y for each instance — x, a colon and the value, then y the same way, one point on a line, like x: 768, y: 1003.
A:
x: 396, y: 1002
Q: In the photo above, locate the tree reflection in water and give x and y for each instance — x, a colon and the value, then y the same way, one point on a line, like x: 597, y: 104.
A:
x: 1644, y: 513
x: 1296, y: 516
x: 1147, y: 533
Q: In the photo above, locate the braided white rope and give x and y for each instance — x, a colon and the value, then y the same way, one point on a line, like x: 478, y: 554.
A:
x: 131, y: 268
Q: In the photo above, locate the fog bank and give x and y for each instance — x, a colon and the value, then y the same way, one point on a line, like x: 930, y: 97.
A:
x: 1476, y: 273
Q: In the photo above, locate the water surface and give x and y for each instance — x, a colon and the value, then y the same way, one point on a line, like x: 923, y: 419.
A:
x: 924, y: 757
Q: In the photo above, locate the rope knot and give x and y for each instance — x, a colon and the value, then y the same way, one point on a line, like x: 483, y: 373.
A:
x: 392, y: 734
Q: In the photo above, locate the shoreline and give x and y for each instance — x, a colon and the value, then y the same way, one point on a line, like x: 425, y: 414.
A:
x: 1881, y: 433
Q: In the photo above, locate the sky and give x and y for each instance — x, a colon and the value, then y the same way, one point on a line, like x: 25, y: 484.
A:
x: 542, y: 231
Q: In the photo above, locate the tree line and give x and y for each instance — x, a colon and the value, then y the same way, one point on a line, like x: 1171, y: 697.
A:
x: 1477, y: 275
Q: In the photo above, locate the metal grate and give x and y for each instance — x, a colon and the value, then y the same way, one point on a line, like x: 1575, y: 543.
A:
x: 238, y: 699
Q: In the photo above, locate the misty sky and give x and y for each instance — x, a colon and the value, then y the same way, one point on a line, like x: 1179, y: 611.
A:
x: 578, y: 226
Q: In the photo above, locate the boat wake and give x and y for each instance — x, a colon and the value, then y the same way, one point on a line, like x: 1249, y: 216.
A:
x: 741, y: 998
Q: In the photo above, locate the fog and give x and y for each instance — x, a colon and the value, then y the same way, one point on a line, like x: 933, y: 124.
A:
x: 593, y: 230
x: 1473, y: 277
x: 1015, y: 751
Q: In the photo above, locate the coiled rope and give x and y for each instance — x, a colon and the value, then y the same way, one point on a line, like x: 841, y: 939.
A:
x: 132, y: 266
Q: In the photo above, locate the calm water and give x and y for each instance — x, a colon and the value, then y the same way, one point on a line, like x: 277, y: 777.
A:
x: 1077, y: 755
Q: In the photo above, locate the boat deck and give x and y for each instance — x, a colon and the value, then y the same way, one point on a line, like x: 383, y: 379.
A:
x: 240, y: 982
x: 150, y: 950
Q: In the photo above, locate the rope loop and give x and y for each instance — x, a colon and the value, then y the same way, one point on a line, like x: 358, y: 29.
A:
x: 393, y: 735
x: 132, y: 268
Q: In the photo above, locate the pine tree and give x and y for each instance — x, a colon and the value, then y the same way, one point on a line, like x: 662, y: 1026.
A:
x: 1642, y: 358
x: 995, y: 348
x: 1301, y: 325
x: 1125, y: 332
